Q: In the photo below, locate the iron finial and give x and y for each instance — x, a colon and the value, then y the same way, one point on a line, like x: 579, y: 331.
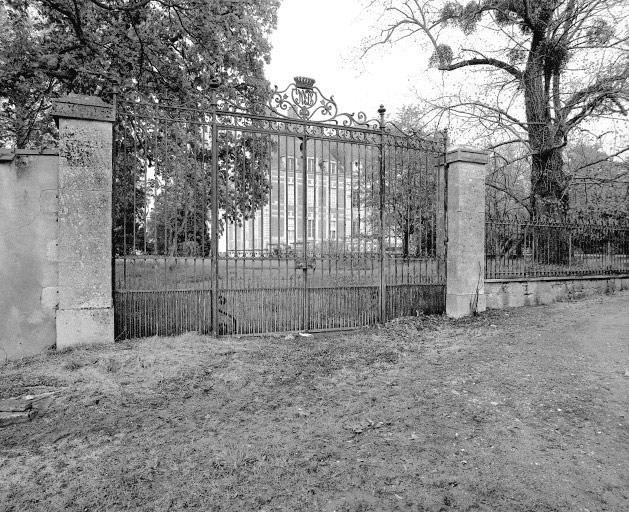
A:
x: 382, y: 111
x: 213, y: 84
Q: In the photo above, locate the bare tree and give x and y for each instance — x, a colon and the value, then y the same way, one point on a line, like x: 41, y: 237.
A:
x: 554, y: 66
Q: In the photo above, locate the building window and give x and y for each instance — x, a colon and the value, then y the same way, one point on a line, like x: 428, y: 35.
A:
x: 290, y: 163
x: 311, y: 228
x: 291, y: 180
x: 311, y: 165
x: 332, y: 168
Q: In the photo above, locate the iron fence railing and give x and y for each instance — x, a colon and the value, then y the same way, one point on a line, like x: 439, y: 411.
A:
x: 287, y: 216
x: 516, y: 248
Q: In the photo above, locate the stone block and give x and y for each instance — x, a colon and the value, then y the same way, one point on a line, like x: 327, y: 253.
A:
x: 459, y: 306
x: 50, y: 297
x: 28, y: 227
x: 467, y: 154
x: 82, y: 285
x: 13, y: 418
x: 84, y: 327
x: 86, y: 206
x: 48, y: 201
x: 51, y: 250
x: 515, y: 294
x: 78, y: 106
x: 86, y: 165
x: 542, y: 291
x: 15, y: 405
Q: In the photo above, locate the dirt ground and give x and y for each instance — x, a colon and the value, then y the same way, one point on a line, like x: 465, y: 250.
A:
x: 515, y: 410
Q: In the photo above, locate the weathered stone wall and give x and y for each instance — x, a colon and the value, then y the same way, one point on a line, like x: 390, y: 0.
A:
x: 55, y: 236
x: 85, y: 312
x: 465, y: 231
x: 512, y: 293
x: 28, y: 253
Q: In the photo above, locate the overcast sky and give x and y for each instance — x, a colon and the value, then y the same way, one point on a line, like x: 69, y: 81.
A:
x: 322, y: 40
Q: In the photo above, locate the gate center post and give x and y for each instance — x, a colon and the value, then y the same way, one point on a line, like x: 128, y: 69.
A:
x: 215, y: 265
x: 304, y: 192
x: 383, y: 285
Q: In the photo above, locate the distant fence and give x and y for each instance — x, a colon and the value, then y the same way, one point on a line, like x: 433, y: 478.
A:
x: 516, y: 248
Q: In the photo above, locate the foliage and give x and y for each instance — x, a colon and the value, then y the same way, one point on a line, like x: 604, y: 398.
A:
x: 411, y: 190
x: 149, y: 48
x: 409, y: 204
x: 171, y: 166
x: 410, y: 184
x: 129, y: 205
x: 599, y: 186
x: 597, y: 183
x: 146, y: 49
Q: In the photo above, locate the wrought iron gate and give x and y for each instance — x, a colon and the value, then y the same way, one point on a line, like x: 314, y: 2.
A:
x: 287, y: 216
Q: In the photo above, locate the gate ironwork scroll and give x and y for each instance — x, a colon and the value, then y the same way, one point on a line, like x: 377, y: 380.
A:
x: 288, y: 216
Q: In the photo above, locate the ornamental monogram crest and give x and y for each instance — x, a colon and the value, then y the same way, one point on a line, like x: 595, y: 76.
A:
x: 303, y: 100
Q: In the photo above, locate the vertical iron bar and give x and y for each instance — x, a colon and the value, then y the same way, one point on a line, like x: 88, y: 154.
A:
x: 215, y: 323
x: 444, y: 276
x: 383, y: 288
x: 304, y: 163
x: 113, y: 181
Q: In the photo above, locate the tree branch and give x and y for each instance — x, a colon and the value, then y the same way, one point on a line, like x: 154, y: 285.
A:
x: 512, y: 70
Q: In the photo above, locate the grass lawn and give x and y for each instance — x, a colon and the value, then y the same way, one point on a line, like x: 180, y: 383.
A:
x: 513, y: 410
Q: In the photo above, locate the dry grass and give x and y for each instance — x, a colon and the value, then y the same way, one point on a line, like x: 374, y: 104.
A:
x: 502, y: 412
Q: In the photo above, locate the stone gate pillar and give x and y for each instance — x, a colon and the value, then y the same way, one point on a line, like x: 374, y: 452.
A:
x: 465, y: 234
x: 85, y: 308
x: 440, y: 227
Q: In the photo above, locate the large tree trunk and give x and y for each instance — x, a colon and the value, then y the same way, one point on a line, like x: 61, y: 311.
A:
x: 548, y: 182
x: 548, y: 197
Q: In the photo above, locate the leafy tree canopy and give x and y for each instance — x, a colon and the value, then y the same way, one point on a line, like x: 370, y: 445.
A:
x: 152, y: 48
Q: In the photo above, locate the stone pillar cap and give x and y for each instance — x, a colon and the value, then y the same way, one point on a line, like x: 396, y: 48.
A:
x: 79, y: 106
x: 467, y: 154
x: 6, y: 155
